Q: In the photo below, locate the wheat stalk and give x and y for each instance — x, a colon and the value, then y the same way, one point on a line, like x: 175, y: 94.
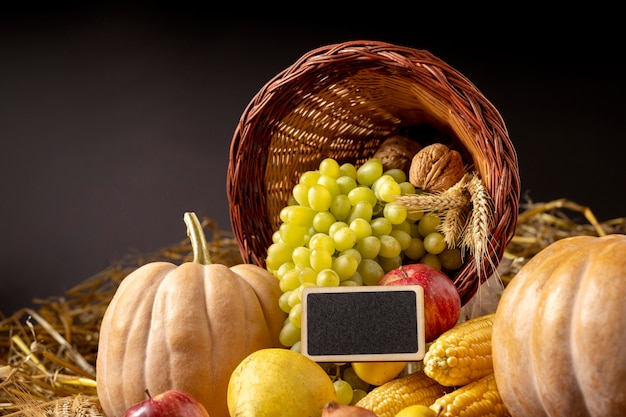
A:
x: 476, y: 234
x: 466, y: 212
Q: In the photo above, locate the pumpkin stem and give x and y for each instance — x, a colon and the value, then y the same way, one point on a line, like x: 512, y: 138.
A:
x: 196, y: 235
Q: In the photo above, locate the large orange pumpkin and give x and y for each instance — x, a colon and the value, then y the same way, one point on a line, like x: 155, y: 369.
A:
x: 559, y: 335
x: 185, y: 327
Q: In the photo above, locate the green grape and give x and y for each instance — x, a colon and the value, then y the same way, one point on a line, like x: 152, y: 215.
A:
x: 321, y: 259
x: 290, y: 280
x: 367, y: 173
x: 327, y: 278
x: 295, y: 315
x: 307, y: 275
x: 330, y: 167
x: 340, y: 207
x: 451, y: 258
x: 370, y: 271
x: 368, y: 247
x: 293, y: 235
x: 402, y: 237
x: 284, y: 268
x: 389, y: 246
x: 320, y: 197
x: 388, y: 191
x: 397, y: 174
x: 283, y: 215
x: 300, y: 216
x: 414, y: 215
x: 379, y: 181
x: 291, y: 201
x: 381, y: 226
x: 405, y: 226
x: 406, y: 188
x: 356, y: 277
x: 344, y: 391
x: 357, y: 395
x: 346, y: 184
x: 345, y: 266
x: 336, y: 226
x: 354, y: 281
x: 347, y: 169
x: 362, y: 193
x: 353, y: 379
x: 300, y: 193
x: 309, y: 178
x: 428, y: 223
x: 432, y: 260
x: 322, y: 221
x: 351, y: 252
x: 434, y: 243
x: 416, y: 250
x: 276, y: 237
x: 277, y: 254
x: 283, y: 302
x: 329, y: 183
x: 296, y: 347
x: 361, y: 210
x: 289, y: 334
x: 322, y: 241
x: 395, y: 213
x: 301, y: 257
x: 361, y: 228
x: 389, y: 264
x: 344, y: 238
x: 295, y: 297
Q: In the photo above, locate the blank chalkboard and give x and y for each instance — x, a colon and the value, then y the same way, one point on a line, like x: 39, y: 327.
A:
x: 361, y: 324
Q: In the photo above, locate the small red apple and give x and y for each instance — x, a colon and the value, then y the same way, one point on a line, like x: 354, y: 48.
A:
x: 442, y: 302
x: 171, y: 403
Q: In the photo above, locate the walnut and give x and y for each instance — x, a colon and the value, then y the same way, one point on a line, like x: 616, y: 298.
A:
x: 397, y: 152
x: 436, y: 168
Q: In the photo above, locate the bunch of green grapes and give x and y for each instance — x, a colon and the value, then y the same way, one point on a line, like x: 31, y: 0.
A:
x: 342, y: 227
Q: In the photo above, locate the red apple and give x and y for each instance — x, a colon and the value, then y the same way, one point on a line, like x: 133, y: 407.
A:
x: 171, y: 403
x: 442, y: 302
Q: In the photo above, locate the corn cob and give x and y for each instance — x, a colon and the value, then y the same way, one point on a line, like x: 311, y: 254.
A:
x: 388, y: 399
x: 462, y: 354
x: 476, y: 399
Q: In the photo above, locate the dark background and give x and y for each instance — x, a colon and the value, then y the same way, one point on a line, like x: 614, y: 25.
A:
x: 115, y: 120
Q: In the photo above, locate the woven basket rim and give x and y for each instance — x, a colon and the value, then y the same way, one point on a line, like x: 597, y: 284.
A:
x: 439, y: 85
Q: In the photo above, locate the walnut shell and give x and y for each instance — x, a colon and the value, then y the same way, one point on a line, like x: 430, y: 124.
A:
x: 397, y: 152
x: 435, y: 168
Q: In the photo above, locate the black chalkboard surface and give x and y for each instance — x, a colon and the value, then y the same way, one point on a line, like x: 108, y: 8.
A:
x: 368, y: 323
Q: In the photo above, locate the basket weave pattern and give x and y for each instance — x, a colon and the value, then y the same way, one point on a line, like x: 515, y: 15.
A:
x: 342, y: 101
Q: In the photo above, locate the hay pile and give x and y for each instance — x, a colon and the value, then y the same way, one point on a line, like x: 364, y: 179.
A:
x: 47, y: 356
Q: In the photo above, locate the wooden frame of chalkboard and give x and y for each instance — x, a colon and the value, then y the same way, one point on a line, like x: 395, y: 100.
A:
x: 363, y: 323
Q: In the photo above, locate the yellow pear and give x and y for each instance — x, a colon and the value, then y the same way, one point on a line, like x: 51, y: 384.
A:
x: 377, y: 373
x: 417, y: 410
x: 275, y: 382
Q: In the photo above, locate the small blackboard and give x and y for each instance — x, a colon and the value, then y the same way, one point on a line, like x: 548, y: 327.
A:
x: 361, y: 324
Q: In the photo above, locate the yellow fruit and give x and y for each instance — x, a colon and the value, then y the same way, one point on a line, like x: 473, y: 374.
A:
x: 417, y: 410
x: 377, y: 373
x: 277, y: 382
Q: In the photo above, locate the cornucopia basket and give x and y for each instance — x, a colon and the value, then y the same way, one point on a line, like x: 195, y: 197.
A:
x: 342, y: 101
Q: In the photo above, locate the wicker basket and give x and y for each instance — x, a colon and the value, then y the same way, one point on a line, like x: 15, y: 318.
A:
x: 341, y: 101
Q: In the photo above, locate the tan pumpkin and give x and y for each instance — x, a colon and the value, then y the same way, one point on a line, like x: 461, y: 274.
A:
x: 185, y: 327
x: 559, y: 334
